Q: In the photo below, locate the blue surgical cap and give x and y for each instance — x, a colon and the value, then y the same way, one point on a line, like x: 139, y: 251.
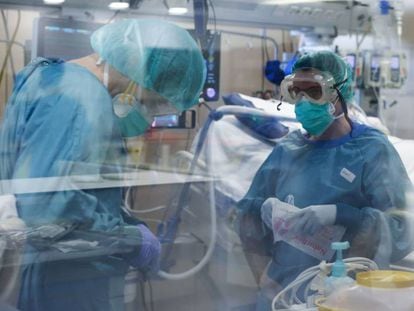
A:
x: 155, y: 54
x: 328, y: 61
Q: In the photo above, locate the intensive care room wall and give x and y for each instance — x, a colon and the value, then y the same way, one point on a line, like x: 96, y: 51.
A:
x: 401, y: 118
x: 24, y: 33
x: 397, y: 117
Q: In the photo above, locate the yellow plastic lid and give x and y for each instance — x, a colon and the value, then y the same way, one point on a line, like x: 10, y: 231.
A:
x: 385, y: 279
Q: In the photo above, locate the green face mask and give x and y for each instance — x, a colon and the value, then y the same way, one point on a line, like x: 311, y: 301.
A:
x: 131, y: 115
x: 315, y: 118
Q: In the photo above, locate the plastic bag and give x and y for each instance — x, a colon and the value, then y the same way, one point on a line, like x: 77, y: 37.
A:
x: 317, y: 245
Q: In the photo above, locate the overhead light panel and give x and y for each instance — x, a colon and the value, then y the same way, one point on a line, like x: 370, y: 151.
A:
x: 177, y: 11
x: 176, y: 7
x: 119, y: 5
x: 53, y: 2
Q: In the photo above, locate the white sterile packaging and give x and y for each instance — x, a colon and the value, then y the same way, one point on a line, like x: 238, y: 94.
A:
x: 317, y: 245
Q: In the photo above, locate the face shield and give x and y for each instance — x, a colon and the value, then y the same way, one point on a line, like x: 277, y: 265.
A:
x: 316, y: 86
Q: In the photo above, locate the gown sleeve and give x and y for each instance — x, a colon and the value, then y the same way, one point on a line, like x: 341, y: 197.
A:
x: 69, y: 121
x: 384, y: 228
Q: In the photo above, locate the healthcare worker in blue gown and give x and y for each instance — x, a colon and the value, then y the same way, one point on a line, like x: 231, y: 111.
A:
x: 336, y: 171
x: 71, y: 118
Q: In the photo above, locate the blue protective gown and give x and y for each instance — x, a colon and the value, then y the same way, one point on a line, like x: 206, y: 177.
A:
x: 360, y: 172
x: 58, y: 115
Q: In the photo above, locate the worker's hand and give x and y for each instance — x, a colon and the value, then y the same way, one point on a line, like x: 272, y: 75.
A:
x: 312, y: 218
x: 267, y: 210
x: 147, y: 258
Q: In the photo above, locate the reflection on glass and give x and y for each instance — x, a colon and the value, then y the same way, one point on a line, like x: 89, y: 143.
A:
x: 127, y: 183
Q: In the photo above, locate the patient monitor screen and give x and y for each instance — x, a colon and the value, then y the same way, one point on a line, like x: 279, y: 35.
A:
x: 62, y: 38
x: 351, y: 60
x: 375, y: 69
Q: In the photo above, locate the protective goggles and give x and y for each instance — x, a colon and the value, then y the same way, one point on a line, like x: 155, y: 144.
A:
x: 318, y: 87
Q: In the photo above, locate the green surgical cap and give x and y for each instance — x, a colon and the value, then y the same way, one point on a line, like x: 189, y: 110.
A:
x: 328, y: 61
x: 155, y: 54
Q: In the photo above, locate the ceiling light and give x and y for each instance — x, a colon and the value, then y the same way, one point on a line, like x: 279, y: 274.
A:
x: 53, y: 1
x: 118, y: 5
x: 177, y: 11
x: 177, y: 7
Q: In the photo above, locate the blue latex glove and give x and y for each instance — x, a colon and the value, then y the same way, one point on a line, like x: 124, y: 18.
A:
x: 312, y: 218
x: 147, y: 258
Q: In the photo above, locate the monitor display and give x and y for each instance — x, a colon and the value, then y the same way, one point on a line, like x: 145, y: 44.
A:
x: 211, y: 54
x: 63, y: 38
x: 351, y: 59
x: 395, y: 69
x: 375, y: 68
x: 169, y: 120
x: 395, y: 62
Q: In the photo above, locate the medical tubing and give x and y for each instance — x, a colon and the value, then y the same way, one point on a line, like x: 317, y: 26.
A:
x: 173, y: 225
x: 353, y: 263
x: 304, y: 277
x: 214, y: 115
x: 206, y: 258
x: 139, y: 211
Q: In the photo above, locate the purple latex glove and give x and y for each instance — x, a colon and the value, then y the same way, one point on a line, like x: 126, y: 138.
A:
x: 147, y: 258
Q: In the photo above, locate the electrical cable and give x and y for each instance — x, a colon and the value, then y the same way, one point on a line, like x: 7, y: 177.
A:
x: 207, y: 106
x: 214, y: 15
x: 6, y: 31
x: 264, y: 42
x: 211, y: 45
x: 3, y: 67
